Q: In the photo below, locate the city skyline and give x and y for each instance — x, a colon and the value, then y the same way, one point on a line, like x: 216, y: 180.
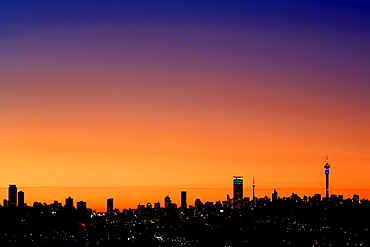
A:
x: 136, y: 100
x: 236, y: 193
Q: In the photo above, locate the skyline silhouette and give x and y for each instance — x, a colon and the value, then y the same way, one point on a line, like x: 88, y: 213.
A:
x: 134, y: 100
x: 238, y: 189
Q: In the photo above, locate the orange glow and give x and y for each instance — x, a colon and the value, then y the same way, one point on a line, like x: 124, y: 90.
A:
x: 91, y: 150
x: 136, y: 108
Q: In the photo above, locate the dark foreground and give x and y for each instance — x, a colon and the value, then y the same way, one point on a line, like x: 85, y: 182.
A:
x: 285, y: 222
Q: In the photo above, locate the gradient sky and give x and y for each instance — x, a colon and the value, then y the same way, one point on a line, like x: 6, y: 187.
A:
x: 137, y: 100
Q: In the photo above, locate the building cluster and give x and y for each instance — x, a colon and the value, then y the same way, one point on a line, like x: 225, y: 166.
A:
x: 237, y: 221
x: 16, y: 199
x: 288, y: 221
x: 237, y: 202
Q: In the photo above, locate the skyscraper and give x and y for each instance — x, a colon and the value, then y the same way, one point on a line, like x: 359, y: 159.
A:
x: 167, y: 202
x: 110, y: 206
x: 69, y: 202
x: 12, y: 195
x: 238, y: 187
x: 274, y: 196
x: 183, y: 199
x: 20, y: 199
x: 327, y: 172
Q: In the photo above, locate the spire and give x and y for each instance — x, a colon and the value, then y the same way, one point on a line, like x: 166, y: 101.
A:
x: 253, y: 195
x: 327, y: 166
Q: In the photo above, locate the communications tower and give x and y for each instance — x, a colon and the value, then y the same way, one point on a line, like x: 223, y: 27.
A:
x: 253, y: 195
x: 327, y: 172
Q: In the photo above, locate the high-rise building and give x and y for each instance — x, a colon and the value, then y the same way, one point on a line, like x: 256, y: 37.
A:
x: 167, y: 202
x: 12, y: 195
x: 238, y: 187
x: 327, y: 172
x: 20, y: 199
x: 183, y: 199
x: 110, y: 206
x: 69, y: 202
x: 81, y: 206
x: 274, y: 196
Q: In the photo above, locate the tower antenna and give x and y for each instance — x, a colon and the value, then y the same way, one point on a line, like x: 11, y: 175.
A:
x: 327, y: 172
x: 253, y: 195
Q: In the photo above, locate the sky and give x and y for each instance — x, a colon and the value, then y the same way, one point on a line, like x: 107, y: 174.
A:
x: 136, y: 100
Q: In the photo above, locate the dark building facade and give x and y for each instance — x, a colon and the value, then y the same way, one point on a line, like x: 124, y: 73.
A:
x: 12, y: 195
x: 167, y: 202
x: 274, y: 196
x: 81, y: 206
x: 183, y: 199
x: 238, y: 187
x: 20, y: 199
x: 69, y: 202
x: 110, y: 206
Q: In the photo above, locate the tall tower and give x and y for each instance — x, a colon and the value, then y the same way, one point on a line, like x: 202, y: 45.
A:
x: 110, y: 206
x: 238, y: 187
x: 327, y: 172
x: 12, y: 195
x: 20, y: 199
x: 253, y: 195
x: 274, y: 196
x: 167, y: 202
x: 183, y: 199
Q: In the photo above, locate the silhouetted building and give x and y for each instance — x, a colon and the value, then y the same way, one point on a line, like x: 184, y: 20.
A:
x: 316, y: 198
x: 37, y: 204
x: 198, y: 203
x: 183, y: 199
x: 238, y: 187
x: 167, y: 202
x: 157, y: 205
x: 274, y: 196
x: 110, y: 206
x: 327, y: 172
x: 5, y: 202
x: 69, y: 202
x: 356, y: 198
x: 12, y: 195
x: 81, y: 206
x: 20, y: 199
x: 55, y: 206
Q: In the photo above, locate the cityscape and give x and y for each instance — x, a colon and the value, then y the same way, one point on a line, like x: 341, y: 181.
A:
x: 329, y: 220
x: 16, y: 198
x: 184, y: 123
